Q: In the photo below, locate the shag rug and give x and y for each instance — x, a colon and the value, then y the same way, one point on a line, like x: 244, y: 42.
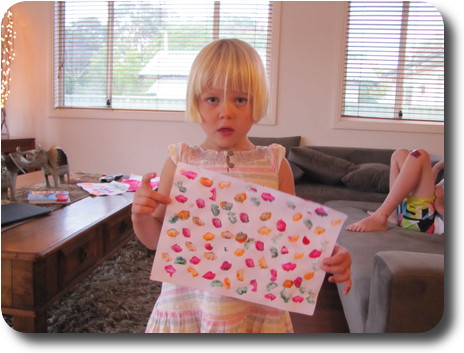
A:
x: 117, y: 297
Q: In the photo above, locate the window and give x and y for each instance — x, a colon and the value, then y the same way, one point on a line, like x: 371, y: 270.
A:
x: 137, y: 54
x: 394, y: 62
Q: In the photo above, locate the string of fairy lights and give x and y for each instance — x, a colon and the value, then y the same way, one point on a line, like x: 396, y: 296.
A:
x: 8, y: 54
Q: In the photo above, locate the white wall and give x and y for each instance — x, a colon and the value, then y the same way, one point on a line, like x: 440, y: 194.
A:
x: 307, y: 105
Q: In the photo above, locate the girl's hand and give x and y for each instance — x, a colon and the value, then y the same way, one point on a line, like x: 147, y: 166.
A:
x: 340, y: 265
x: 146, y: 200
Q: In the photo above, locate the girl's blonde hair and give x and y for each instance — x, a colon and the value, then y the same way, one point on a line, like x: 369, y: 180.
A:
x: 228, y: 64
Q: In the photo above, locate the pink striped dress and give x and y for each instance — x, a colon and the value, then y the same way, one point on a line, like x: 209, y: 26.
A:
x: 186, y: 310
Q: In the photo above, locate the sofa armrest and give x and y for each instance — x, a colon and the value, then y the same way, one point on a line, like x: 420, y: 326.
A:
x: 406, y: 293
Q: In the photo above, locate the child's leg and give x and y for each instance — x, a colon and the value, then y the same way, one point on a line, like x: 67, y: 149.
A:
x: 415, y: 176
x: 397, y: 160
x: 410, y: 174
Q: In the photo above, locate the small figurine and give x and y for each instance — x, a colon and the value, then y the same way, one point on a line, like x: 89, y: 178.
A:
x: 53, y: 162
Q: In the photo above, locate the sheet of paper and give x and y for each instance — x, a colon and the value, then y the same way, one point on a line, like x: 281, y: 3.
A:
x: 104, y: 189
x: 244, y: 240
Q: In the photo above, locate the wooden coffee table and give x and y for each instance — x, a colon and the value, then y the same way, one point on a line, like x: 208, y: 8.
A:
x: 44, y: 258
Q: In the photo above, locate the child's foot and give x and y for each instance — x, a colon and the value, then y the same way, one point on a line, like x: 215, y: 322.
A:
x: 369, y: 224
x: 393, y: 218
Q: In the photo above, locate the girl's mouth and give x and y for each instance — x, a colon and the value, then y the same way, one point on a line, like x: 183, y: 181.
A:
x: 226, y: 131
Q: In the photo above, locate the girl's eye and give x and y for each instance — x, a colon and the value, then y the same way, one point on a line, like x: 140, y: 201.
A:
x: 212, y: 100
x: 241, y: 100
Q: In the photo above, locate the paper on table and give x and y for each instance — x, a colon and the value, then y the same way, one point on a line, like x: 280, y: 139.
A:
x: 104, y: 189
x: 244, y: 240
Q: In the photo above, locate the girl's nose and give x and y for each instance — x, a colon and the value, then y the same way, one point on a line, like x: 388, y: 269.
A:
x: 226, y: 110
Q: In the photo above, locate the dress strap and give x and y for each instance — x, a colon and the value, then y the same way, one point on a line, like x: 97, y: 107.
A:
x: 178, y: 151
x: 276, y: 155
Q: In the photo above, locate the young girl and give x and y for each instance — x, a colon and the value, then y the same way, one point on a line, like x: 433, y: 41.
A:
x: 413, y: 192
x: 227, y: 93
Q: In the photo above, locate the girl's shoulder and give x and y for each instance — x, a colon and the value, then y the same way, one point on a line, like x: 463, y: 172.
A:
x: 274, y: 150
x: 277, y: 154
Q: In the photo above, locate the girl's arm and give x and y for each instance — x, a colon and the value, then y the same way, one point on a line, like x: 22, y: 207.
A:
x: 149, y: 206
x: 286, y: 182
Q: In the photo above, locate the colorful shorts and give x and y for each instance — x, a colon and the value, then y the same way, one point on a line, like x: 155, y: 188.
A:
x: 417, y: 213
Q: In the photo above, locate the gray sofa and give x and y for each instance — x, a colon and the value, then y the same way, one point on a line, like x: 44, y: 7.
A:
x: 324, y: 173
x: 398, y: 275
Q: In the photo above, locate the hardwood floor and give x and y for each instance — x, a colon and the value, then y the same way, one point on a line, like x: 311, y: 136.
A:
x: 328, y: 316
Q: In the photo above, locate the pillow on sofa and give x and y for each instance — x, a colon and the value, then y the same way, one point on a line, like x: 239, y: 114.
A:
x: 298, y: 173
x: 370, y: 177
x: 319, y: 166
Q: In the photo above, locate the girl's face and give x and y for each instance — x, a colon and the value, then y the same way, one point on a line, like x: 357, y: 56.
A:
x: 226, y: 118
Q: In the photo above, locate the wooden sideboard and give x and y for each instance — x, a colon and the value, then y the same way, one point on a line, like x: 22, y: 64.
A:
x: 10, y: 144
x: 44, y: 258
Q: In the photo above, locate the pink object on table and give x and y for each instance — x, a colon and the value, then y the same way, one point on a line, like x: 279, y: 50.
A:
x: 135, y: 184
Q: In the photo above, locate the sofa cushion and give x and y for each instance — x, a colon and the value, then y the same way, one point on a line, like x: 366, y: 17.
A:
x: 322, y: 193
x: 358, y: 155
x: 319, y: 166
x: 298, y: 173
x: 371, y: 177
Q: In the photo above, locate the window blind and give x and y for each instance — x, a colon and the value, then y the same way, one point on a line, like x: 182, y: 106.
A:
x: 394, y: 62
x: 138, y: 54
